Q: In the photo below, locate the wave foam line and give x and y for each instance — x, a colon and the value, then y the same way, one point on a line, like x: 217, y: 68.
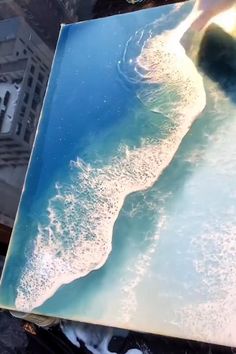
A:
x: 78, y: 237
x: 137, y: 272
x: 212, y: 319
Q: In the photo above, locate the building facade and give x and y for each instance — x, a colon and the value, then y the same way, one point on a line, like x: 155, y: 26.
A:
x: 25, y: 63
x: 44, y: 16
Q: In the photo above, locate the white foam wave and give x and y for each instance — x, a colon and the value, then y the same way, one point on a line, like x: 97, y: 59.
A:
x: 137, y: 272
x: 78, y: 237
x: 214, y: 318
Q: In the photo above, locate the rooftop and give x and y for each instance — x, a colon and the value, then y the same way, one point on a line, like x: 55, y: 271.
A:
x: 9, y: 28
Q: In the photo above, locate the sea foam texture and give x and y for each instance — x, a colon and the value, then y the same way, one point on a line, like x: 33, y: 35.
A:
x: 78, y: 236
x: 212, y: 318
x: 137, y: 272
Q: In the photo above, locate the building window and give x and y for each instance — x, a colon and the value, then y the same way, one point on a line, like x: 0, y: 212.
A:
x: 2, y: 115
x: 45, y: 67
x: 6, y: 98
x: 11, y: 145
x: 34, y: 104
x: 32, y: 118
x: 18, y: 128
x: 29, y: 49
x: 26, y: 97
x: 22, y: 111
x: 17, y: 53
x: 30, y: 81
x: 32, y: 69
x: 41, y: 78
x: 27, y: 135
x: 17, y: 81
x: 31, y: 121
x: 25, y: 51
x: 38, y: 89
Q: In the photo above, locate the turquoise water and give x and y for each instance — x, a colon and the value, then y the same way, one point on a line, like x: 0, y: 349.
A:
x: 151, y: 250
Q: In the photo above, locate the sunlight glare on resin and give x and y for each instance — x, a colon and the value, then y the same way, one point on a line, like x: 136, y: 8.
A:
x: 226, y: 20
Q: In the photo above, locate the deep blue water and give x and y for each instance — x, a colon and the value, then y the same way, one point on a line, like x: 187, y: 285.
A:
x: 86, y: 97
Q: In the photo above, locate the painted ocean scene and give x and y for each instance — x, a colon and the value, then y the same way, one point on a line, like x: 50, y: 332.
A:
x: 127, y: 217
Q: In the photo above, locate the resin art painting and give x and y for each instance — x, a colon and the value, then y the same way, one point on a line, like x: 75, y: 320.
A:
x: 127, y: 217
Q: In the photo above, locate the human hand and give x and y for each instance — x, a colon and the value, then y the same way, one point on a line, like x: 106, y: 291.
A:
x: 208, y: 9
